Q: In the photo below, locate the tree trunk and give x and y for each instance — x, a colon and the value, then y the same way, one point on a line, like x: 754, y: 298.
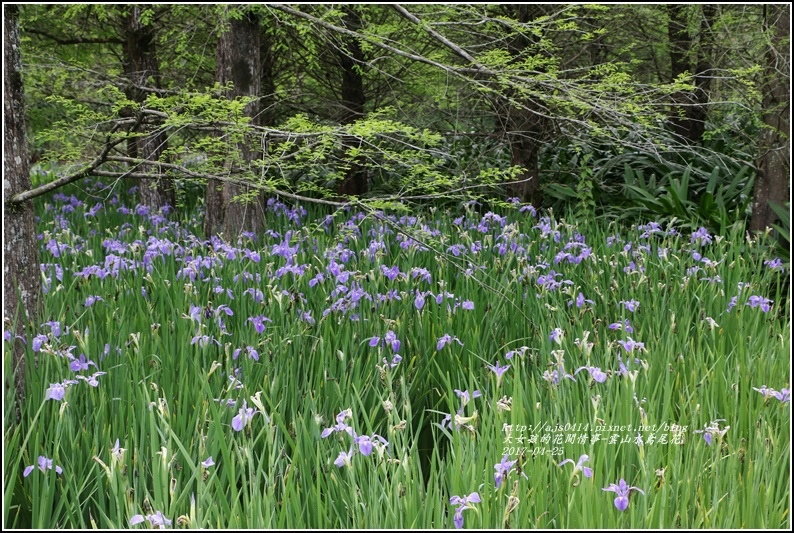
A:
x: 268, y: 115
x: 213, y: 208
x: 143, y: 70
x: 680, y: 44
x: 525, y: 128
x: 699, y: 112
x: 773, y: 181
x: 21, y: 270
x: 238, y: 60
x: 523, y: 132
x: 353, y: 100
x: 688, y: 120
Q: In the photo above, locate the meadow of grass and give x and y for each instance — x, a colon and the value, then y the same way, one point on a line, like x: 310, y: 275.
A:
x: 361, y: 370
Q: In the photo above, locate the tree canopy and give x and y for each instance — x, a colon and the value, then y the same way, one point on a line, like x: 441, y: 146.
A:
x: 391, y: 104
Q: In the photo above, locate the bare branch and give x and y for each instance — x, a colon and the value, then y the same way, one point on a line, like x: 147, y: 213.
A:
x: 78, y: 40
x: 64, y: 180
x: 440, y: 38
x: 225, y: 179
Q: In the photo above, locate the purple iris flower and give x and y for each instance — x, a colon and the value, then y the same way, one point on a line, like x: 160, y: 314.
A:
x: 630, y: 305
x: 195, y: 313
x: 117, y: 451
x: 578, y: 466
x: 623, y: 491
x: 208, y: 463
x: 446, y: 339
x: 463, y: 503
x: 553, y: 376
x: 419, y: 301
x: 253, y: 256
x: 92, y: 379
x: 532, y: 211
x: 390, y: 339
x: 91, y: 300
x: 344, y: 458
x: 365, y: 443
x: 499, y: 371
x: 774, y: 264
x: 595, y: 372
x: 456, y: 249
x: 224, y: 309
x: 467, y: 305
x: 759, y: 301
x: 580, y: 301
x: 422, y: 273
x: 394, y: 361
x: 459, y: 419
x: 44, y: 464
x: 713, y: 429
x: 38, y: 340
x: 156, y: 520
x: 56, y: 391
x: 307, y: 316
x: 701, y: 235
x: 250, y: 351
x: 55, y: 327
x: 259, y: 322
x: 630, y: 344
x: 466, y: 397
x: 784, y: 395
x: 766, y: 391
x: 556, y: 335
x: 80, y: 364
x: 340, y: 424
x: 390, y: 273
x: 243, y: 417
x: 502, y: 468
x: 521, y: 351
x: 203, y: 340
x: 626, y: 325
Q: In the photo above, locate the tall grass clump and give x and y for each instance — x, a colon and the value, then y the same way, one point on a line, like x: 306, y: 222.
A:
x: 367, y: 370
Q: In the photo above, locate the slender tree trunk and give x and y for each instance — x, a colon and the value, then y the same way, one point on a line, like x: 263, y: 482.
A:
x: 773, y: 182
x: 143, y: 70
x: 268, y: 115
x: 21, y: 270
x: 214, y: 210
x: 524, y: 127
x: 688, y: 120
x: 698, y: 113
x: 353, y: 100
x: 680, y: 44
x: 238, y: 60
x: 523, y: 131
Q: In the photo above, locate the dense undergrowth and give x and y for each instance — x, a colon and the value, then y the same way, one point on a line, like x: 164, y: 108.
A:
x: 361, y: 369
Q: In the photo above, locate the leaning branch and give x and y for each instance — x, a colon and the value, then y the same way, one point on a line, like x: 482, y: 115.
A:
x: 78, y: 40
x: 527, y: 83
x: 376, y: 42
x: 224, y: 179
x: 440, y: 38
x: 65, y: 180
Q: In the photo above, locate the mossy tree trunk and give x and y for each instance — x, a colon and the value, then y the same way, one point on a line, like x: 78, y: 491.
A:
x: 773, y: 182
x: 238, y: 61
x: 142, y: 68
x: 21, y: 270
